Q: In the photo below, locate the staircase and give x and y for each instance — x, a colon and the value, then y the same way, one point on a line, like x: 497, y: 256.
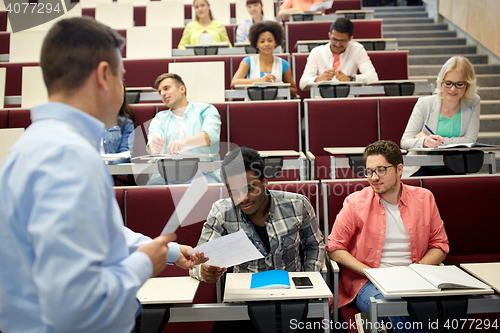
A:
x: 430, y: 45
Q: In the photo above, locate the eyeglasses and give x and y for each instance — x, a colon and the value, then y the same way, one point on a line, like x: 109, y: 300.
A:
x: 380, y: 171
x: 341, y: 41
x: 458, y: 85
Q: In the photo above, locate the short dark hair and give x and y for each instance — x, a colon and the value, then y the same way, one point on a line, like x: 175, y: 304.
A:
x: 251, y: 160
x: 249, y: 2
x: 388, y: 149
x: 258, y: 28
x: 343, y: 25
x: 172, y: 76
x: 73, y: 48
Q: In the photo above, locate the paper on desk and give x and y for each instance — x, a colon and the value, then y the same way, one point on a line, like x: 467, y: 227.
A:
x: 116, y: 156
x: 319, y: 5
x: 229, y: 250
x: 193, y: 194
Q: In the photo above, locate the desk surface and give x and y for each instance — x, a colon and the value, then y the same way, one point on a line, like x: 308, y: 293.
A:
x: 163, y: 290
x: 275, y: 153
x: 238, y: 289
x: 348, y: 150
x: 489, y: 273
x: 262, y: 85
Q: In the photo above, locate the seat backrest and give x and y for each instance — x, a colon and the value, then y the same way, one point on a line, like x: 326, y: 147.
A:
x: 340, y: 123
x: 33, y: 90
x: 394, y: 114
x: 4, y: 42
x: 143, y: 73
x: 3, y: 77
x: 19, y: 118
x: 14, y: 75
x: 265, y: 125
x: 318, y: 30
x: 140, y: 16
x: 165, y: 14
x: 3, y: 21
x: 4, y: 118
x: 205, y: 81
x: 390, y: 65
x: 143, y: 116
x: 468, y: 207
x: 142, y: 42
x: 299, y: 61
x: 344, y: 5
x: 222, y: 108
x: 116, y: 15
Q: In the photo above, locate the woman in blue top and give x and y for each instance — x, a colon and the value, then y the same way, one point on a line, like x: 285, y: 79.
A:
x: 451, y: 116
x: 265, y: 67
x: 119, y: 138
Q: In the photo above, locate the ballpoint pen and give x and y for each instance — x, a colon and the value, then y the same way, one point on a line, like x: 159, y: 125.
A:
x: 428, y: 129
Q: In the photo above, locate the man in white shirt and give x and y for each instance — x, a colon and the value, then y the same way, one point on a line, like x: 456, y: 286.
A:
x: 340, y: 59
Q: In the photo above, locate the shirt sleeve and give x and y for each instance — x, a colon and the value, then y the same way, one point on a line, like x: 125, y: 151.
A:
x: 186, y: 35
x: 414, y: 126
x: 241, y: 32
x: 437, y: 237
x: 212, y: 229
x: 365, y: 66
x: 86, y: 279
x: 287, y: 4
x: 285, y: 65
x: 312, y: 237
x: 343, y: 229
x: 312, y: 70
x: 211, y: 123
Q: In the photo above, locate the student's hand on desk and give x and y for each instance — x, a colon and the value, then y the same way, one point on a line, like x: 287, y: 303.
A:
x: 156, y: 145
x: 342, y: 77
x: 433, y: 141
x: 175, y: 147
x: 211, y: 274
x: 157, y: 252
x: 326, y: 76
x: 420, y: 135
x: 268, y: 78
x: 186, y: 261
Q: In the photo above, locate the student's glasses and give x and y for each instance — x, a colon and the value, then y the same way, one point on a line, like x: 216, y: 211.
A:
x: 458, y: 85
x: 380, y: 171
x: 341, y: 41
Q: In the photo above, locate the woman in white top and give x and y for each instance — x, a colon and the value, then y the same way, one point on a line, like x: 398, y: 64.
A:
x: 254, y: 8
x: 451, y: 116
x: 265, y: 67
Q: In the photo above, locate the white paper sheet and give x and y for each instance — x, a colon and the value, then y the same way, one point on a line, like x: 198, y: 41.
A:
x: 116, y: 156
x: 193, y: 194
x: 229, y: 250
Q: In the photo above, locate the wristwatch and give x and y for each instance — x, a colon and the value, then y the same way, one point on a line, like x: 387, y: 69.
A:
x: 353, y: 77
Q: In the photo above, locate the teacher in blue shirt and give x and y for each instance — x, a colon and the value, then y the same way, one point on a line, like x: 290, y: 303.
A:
x: 68, y: 264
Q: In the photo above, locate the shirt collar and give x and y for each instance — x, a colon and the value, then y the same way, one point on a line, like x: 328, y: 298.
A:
x: 86, y: 125
x: 402, y: 199
x: 189, y: 109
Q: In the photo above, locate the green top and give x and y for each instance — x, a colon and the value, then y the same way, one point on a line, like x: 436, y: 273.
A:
x: 449, y: 127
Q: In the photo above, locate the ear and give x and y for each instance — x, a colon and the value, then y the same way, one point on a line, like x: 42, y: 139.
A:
x: 351, y: 38
x: 265, y: 181
x: 400, y: 170
x: 103, y: 72
x: 183, y: 89
x: 329, y: 35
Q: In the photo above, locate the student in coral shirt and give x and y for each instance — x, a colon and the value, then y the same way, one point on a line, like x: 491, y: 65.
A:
x: 295, y: 7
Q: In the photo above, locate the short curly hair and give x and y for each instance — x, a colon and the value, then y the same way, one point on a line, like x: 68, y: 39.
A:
x: 258, y: 28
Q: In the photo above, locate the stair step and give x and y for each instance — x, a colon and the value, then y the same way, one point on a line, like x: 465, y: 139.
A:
x: 398, y: 9
x: 489, y: 93
x: 441, y: 59
x: 399, y: 15
x: 408, y: 20
x: 490, y: 107
x: 488, y: 135
x: 412, y: 27
x: 421, y: 70
x: 403, y: 42
x: 442, y: 49
x: 421, y: 34
x: 489, y: 122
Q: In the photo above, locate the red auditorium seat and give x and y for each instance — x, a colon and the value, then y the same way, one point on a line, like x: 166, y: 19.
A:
x: 278, y: 124
x: 390, y: 65
x: 339, y: 123
x: 3, y: 21
x: 4, y: 42
x: 143, y: 73
x: 344, y: 5
x: 4, y: 119
x: 394, y: 113
x: 308, y: 188
x: 19, y: 118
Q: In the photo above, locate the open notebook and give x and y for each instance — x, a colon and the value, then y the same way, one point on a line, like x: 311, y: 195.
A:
x: 417, y: 277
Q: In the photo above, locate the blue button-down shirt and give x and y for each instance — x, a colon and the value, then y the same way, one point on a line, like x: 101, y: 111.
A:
x: 65, y: 260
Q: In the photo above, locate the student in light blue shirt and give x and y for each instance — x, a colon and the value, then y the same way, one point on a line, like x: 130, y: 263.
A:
x: 68, y: 264
x: 254, y: 8
x: 184, y: 127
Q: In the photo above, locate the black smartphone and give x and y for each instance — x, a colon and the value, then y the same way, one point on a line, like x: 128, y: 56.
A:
x: 302, y: 282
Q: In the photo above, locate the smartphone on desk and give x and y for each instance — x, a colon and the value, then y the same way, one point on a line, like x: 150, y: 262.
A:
x: 302, y: 282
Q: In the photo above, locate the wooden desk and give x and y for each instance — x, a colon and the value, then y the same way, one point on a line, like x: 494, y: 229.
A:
x: 390, y: 43
x: 489, y: 273
x: 241, y: 90
x: 238, y: 290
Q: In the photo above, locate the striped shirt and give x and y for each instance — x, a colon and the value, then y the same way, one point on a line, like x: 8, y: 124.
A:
x: 292, y: 228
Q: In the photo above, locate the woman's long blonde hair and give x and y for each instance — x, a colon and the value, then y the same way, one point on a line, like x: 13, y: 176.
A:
x: 209, y: 12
